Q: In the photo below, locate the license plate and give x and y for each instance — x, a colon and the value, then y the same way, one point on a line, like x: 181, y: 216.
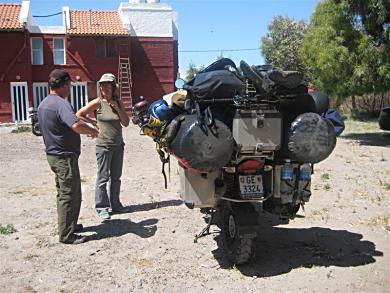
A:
x: 251, y: 186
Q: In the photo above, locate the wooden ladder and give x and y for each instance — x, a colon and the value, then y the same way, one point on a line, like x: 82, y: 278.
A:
x: 124, y: 76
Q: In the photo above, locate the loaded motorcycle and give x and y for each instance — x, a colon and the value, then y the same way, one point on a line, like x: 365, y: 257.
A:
x: 245, y: 142
x: 33, y: 115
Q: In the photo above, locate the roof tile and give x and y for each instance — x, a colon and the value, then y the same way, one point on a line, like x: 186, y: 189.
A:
x: 94, y: 22
x: 9, y: 17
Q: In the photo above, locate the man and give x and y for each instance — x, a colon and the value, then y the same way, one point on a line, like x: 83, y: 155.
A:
x: 61, y: 131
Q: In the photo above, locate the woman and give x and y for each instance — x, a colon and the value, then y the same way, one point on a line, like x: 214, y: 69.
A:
x: 110, y: 118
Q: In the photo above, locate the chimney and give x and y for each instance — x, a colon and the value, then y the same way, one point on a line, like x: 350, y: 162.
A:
x: 90, y: 17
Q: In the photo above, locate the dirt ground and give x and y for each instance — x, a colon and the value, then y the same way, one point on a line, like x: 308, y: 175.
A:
x: 340, y: 243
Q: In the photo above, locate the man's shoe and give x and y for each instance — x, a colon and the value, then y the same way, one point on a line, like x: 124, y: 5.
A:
x: 75, y: 239
x: 103, y: 214
x: 78, y: 228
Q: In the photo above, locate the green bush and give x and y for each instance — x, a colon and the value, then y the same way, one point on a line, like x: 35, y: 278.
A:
x: 7, y: 229
x: 21, y: 129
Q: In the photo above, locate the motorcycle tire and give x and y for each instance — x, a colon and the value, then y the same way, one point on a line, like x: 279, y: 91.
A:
x: 238, y: 249
x: 36, y: 130
x: 384, y: 119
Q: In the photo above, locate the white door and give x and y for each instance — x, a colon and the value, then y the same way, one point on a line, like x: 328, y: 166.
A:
x: 78, y: 95
x: 19, y: 98
x: 40, y: 91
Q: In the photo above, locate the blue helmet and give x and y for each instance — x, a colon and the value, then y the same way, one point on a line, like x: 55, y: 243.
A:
x: 160, y: 110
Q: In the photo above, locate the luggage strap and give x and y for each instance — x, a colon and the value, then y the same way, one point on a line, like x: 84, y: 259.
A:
x: 164, y: 159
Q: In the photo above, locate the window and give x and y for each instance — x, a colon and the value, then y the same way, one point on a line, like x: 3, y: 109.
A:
x: 101, y: 47
x: 106, y: 47
x: 36, y: 51
x: 19, y: 98
x: 79, y: 95
x: 40, y: 91
x: 59, y: 51
x: 111, y: 48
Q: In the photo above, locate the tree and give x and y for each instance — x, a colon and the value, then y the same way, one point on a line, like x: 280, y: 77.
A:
x: 328, y: 50
x: 342, y: 58
x: 192, y: 71
x: 281, y: 44
x: 374, y: 17
x: 220, y: 56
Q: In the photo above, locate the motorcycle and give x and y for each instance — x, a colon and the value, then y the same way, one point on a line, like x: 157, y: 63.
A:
x: 245, y: 143
x: 33, y: 115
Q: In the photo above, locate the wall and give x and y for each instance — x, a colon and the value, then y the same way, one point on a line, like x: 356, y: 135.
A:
x: 148, y: 19
x: 84, y: 51
x: 154, y: 66
x: 11, y: 45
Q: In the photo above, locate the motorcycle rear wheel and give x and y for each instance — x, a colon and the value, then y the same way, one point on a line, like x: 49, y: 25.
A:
x: 36, y: 130
x: 237, y: 249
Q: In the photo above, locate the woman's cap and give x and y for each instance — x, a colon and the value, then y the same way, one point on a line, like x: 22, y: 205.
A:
x: 107, y: 77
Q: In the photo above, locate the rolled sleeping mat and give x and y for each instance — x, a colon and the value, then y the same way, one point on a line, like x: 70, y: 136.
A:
x: 201, y: 147
x: 311, y: 138
x: 321, y: 101
x: 315, y: 102
x: 300, y: 104
x: 287, y: 79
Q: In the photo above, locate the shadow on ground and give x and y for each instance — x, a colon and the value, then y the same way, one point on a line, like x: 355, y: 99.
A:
x: 279, y: 250
x: 118, y: 227
x: 154, y: 205
x: 381, y: 139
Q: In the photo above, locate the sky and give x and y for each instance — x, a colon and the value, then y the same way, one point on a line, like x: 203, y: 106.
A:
x: 215, y: 26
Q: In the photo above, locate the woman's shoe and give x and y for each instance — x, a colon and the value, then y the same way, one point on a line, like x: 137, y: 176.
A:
x: 103, y: 214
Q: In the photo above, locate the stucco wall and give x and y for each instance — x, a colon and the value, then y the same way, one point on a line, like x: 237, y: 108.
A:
x: 149, y: 19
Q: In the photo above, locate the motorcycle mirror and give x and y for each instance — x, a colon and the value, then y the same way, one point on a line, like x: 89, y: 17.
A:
x: 179, y: 83
x: 230, y: 68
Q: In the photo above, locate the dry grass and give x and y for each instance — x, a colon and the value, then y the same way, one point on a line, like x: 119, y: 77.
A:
x: 354, y: 126
x: 379, y: 221
x: 21, y: 129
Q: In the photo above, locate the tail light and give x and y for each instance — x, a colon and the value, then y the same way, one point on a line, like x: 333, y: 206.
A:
x: 250, y: 166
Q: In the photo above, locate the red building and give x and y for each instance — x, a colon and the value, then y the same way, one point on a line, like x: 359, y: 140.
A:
x: 138, y: 43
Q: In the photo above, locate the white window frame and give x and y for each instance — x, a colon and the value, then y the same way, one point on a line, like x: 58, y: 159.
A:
x: 40, y: 91
x: 81, y: 101
x: 54, y: 50
x: 17, y: 100
x: 41, y: 51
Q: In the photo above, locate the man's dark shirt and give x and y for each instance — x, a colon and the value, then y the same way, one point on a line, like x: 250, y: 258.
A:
x: 56, y: 117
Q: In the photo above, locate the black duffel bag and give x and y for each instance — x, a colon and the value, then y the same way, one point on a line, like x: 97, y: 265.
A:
x: 216, y: 84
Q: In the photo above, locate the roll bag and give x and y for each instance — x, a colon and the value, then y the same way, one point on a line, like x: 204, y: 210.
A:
x: 310, y: 138
x: 200, y: 147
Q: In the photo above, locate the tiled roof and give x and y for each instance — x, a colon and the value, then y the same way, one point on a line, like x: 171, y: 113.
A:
x: 93, y: 22
x: 9, y: 17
